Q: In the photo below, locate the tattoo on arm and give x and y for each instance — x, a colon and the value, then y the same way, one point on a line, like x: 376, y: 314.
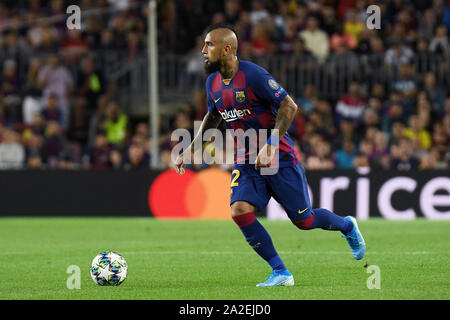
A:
x: 286, y: 113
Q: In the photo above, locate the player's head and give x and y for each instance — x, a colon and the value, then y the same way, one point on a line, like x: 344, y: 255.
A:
x: 220, y: 46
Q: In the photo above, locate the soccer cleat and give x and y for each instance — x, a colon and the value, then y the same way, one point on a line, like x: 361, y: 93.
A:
x: 278, y: 278
x: 355, y: 240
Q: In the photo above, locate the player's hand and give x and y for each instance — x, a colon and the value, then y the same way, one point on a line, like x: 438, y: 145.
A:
x: 265, y: 156
x: 179, y: 164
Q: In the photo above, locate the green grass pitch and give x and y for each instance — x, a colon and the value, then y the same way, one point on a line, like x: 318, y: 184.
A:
x: 183, y: 259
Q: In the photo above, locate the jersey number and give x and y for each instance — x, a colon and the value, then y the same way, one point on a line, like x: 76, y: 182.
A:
x: 233, y: 181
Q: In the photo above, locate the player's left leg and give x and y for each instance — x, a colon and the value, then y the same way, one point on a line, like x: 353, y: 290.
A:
x: 290, y: 189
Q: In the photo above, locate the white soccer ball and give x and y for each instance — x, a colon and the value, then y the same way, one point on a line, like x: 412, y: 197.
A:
x: 109, y: 269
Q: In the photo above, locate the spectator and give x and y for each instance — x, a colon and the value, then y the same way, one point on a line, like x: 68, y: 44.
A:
x: 416, y: 150
x: 398, y: 54
x: 427, y: 24
x: 92, y: 33
x: 342, y: 57
x: 232, y: 10
x: 260, y: 39
x: 424, y: 60
x: 10, y: 91
x: 330, y: 23
x: 346, y: 132
x: 79, y: 124
x: 435, y: 93
x: 34, y: 151
x: 322, y: 151
x: 394, y: 113
x: 90, y: 83
x: 397, y: 131
x: 37, y: 126
x: 361, y: 161
x: 406, y: 85
x: 195, y: 71
x: 346, y: 155
x: 98, y: 155
x: 73, y: 46
x: 353, y: 25
x: 12, y: 153
x: 367, y: 148
x: 115, y: 158
x: 352, y: 105
x: 315, y: 39
x: 289, y: 36
x: 306, y: 102
x: 301, y: 57
x: 258, y: 13
x: 381, y: 157
x: 97, y: 119
x: 55, y: 146
x: 439, y: 43
x: 371, y: 118
x: 56, y: 78
x: 31, y: 105
x: 440, y: 141
x: 51, y: 111
x: 115, y: 124
x: 244, y: 28
x: 136, y: 158
x: 32, y: 82
x: 416, y: 131
x: 402, y: 158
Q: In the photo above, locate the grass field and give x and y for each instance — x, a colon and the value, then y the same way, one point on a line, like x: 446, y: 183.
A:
x: 211, y: 260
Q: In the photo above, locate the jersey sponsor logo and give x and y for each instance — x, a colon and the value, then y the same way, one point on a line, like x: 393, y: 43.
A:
x: 273, y: 84
x: 233, y: 115
x: 240, y: 96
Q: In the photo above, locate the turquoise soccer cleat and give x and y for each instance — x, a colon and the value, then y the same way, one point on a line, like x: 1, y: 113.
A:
x: 355, y: 240
x: 278, y: 278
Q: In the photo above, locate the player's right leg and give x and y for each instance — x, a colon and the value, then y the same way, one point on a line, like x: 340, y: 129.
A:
x: 248, y: 193
x: 289, y: 187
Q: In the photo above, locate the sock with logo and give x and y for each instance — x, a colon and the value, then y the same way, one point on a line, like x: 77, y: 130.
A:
x: 325, y: 219
x: 259, y: 239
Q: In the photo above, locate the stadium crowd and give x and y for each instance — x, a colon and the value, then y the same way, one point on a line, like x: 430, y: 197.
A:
x: 57, y: 108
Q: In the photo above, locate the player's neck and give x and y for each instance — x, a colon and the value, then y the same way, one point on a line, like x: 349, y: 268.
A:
x: 229, y: 69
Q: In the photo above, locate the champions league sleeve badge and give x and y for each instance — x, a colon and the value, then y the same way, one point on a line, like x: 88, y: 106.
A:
x: 273, y: 84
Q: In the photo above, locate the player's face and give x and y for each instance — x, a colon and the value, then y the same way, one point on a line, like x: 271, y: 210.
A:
x: 211, y: 52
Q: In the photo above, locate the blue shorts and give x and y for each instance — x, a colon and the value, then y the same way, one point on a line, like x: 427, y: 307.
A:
x: 288, y: 187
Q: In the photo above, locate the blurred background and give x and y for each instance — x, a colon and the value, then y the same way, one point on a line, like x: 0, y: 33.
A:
x: 78, y: 99
x: 84, y: 130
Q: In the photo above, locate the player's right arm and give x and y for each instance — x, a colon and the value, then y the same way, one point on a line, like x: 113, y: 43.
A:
x: 211, y: 120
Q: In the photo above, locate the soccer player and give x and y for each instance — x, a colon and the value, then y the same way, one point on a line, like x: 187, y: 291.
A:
x: 246, y: 96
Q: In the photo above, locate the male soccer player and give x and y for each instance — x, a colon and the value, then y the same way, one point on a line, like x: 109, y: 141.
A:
x: 246, y: 96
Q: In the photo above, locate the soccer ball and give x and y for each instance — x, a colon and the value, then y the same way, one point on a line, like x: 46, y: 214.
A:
x: 109, y: 269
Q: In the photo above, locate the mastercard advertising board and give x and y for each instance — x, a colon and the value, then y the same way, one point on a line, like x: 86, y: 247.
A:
x: 201, y: 195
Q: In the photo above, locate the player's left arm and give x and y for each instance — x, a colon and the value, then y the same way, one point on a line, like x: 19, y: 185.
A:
x: 285, y: 115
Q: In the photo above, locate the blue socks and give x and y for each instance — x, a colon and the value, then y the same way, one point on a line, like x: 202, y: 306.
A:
x: 324, y: 219
x: 258, y: 238
x: 327, y: 220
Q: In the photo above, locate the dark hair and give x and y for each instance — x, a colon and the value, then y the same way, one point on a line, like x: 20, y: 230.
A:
x: 221, y: 26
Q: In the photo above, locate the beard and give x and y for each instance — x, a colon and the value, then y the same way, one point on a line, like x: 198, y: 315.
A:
x: 212, y: 66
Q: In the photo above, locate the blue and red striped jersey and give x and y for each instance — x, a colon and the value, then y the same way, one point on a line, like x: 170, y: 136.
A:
x: 250, y: 101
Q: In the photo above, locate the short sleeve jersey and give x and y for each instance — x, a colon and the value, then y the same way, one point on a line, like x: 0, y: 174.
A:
x: 250, y: 101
